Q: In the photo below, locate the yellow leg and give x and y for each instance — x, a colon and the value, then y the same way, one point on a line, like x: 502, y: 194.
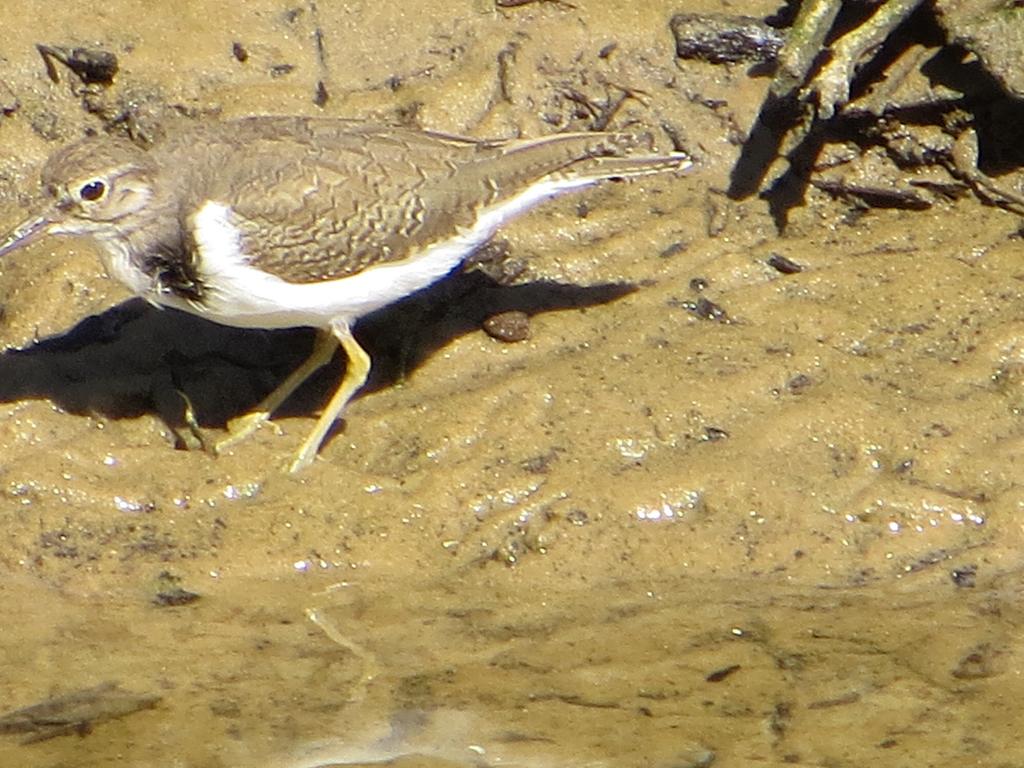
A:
x: 243, y: 426
x: 356, y: 371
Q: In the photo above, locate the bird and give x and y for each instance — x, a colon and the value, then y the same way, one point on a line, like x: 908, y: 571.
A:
x: 285, y: 221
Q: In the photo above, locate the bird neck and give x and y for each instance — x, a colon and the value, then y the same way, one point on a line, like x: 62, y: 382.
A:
x: 154, y: 255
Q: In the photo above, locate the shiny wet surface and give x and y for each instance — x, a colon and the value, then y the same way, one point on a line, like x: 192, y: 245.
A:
x: 479, y: 669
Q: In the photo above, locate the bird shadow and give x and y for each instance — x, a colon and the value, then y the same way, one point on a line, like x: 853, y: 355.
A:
x: 135, y: 359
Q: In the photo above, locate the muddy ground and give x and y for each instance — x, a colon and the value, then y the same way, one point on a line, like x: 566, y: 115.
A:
x: 708, y: 512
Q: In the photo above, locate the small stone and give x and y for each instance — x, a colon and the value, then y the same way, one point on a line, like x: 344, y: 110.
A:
x: 706, y: 309
x: 509, y: 326
x: 714, y: 434
x: 786, y: 266
x: 799, y: 383
x: 964, y: 576
x: 320, y: 95
x: 170, y: 593
x: 673, y: 249
x: 174, y: 598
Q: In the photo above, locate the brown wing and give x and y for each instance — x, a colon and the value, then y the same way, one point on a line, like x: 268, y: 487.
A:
x: 320, y: 198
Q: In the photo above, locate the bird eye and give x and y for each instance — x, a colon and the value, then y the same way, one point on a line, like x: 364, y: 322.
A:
x: 92, y: 191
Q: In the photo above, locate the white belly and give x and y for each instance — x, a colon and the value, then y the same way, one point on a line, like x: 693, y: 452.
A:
x: 238, y: 294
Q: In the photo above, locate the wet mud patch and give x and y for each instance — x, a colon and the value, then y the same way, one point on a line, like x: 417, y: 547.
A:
x: 484, y: 667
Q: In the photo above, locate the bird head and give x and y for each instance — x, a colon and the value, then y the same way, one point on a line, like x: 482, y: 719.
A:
x: 94, y: 187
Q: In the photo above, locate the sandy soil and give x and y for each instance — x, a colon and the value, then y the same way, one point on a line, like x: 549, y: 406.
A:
x: 641, y: 537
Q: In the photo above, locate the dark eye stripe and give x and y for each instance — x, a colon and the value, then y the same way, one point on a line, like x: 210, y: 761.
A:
x: 92, y: 190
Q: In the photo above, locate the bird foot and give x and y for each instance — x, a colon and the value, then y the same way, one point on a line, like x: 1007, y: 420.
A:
x: 189, y: 435
x: 240, y: 428
x: 306, y: 456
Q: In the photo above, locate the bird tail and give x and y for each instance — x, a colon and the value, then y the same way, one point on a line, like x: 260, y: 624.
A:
x: 596, y: 156
x: 630, y: 166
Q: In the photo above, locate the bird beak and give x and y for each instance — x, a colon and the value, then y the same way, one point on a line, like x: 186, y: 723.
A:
x: 27, y: 232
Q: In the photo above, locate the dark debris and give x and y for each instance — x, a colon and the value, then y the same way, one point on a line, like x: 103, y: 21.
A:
x: 91, y: 65
x: 720, y: 38
x: 964, y: 576
x: 782, y: 264
x: 76, y: 712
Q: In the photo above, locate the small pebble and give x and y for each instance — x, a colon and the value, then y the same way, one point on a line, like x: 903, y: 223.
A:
x: 706, y: 309
x: 713, y: 434
x: 673, y: 249
x: 785, y: 266
x: 964, y: 576
x: 799, y: 383
x: 509, y: 326
x: 320, y: 96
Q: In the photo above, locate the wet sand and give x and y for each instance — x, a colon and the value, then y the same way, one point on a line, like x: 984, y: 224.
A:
x: 647, y: 535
